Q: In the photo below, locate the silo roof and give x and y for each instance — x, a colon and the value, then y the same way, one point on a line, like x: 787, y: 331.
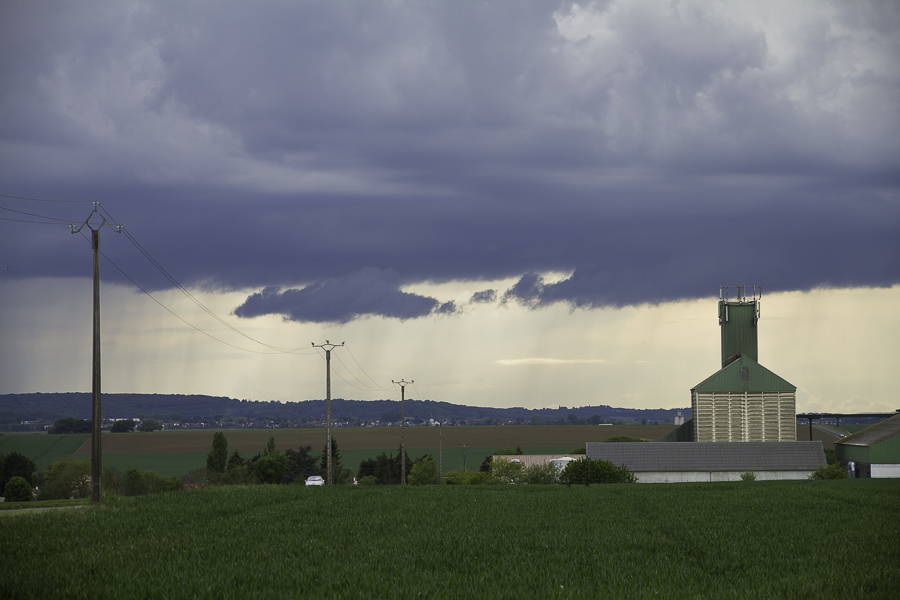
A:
x: 731, y: 378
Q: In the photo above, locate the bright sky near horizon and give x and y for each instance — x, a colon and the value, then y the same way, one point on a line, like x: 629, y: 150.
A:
x: 515, y: 204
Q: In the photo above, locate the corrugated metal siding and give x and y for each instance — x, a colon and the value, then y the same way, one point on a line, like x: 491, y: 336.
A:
x: 739, y: 332
x: 886, y: 451
x: 744, y: 416
x: 852, y: 453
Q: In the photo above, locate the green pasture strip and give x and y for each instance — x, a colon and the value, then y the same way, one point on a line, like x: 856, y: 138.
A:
x: 702, y: 540
x: 163, y: 463
x: 43, y: 448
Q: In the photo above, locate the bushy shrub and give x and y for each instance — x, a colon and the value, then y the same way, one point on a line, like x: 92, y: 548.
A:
x: 539, y: 474
x: 832, y: 471
x: 506, y: 471
x: 586, y: 471
x: 269, y: 468
x: 67, y: 478
x: 424, y: 473
x: 460, y: 477
x: 748, y: 476
x: 18, y: 490
x: 240, y: 475
x: 138, y: 483
x: 368, y: 480
x: 624, y: 438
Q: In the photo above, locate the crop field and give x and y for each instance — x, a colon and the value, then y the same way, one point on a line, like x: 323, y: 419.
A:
x: 43, y: 449
x: 806, y: 539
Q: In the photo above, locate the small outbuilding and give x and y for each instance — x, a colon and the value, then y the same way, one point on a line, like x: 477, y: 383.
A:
x: 874, y: 451
x: 671, y: 462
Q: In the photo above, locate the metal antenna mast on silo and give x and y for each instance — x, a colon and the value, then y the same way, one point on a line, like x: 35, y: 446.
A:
x: 96, y: 418
x: 328, y: 346
x: 402, y: 385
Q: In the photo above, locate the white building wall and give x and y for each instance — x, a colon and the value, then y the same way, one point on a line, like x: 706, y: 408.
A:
x: 699, y: 476
x: 885, y: 471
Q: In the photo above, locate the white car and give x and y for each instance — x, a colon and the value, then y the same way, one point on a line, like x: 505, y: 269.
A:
x: 315, y: 480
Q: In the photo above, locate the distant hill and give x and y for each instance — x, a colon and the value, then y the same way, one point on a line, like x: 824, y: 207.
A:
x: 16, y: 408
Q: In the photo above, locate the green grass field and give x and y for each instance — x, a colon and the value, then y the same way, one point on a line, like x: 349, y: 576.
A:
x: 802, y: 539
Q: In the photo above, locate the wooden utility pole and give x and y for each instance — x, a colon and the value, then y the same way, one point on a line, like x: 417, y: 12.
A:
x: 96, y: 412
x: 328, y: 346
x: 402, y: 385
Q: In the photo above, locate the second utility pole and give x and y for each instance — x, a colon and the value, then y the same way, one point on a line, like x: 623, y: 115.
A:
x: 402, y: 385
x: 328, y: 346
x: 96, y: 412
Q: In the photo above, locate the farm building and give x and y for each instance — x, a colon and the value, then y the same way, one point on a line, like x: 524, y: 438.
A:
x: 874, y: 451
x: 539, y: 459
x: 743, y: 401
x: 672, y: 462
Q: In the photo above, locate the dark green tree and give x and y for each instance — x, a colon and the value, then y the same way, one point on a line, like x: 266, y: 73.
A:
x: 387, y: 469
x: 586, y: 471
x: 134, y: 483
x: 123, y: 426
x: 70, y: 425
x: 148, y: 425
x: 16, y: 465
x: 217, y: 458
x: 300, y: 464
x: 235, y: 460
x: 336, y: 467
x: 366, y: 468
x: 18, y: 490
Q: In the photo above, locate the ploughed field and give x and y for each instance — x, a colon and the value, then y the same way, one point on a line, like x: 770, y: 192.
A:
x: 793, y: 539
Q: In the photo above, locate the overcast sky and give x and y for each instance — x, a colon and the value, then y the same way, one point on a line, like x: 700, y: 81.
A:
x: 513, y: 203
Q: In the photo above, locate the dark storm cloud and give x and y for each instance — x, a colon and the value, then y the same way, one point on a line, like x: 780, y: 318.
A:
x: 370, y: 292
x: 485, y: 296
x: 653, y: 150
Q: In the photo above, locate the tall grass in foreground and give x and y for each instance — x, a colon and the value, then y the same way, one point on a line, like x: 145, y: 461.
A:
x: 805, y: 539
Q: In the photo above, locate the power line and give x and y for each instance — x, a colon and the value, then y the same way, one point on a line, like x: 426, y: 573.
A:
x: 197, y: 302
x: 42, y: 199
x: 170, y: 311
x: 24, y: 221
x: 22, y: 212
x: 379, y: 386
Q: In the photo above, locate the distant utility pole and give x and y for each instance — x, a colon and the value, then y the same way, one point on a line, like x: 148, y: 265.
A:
x: 328, y: 346
x: 96, y: 419
x: 402, y: 385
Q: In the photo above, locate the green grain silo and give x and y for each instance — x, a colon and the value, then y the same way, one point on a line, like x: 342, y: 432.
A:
x: 743, y: 401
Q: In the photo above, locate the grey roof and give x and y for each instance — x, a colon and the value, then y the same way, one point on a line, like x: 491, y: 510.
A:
x: 711, y: 456
x: 874, y: 434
